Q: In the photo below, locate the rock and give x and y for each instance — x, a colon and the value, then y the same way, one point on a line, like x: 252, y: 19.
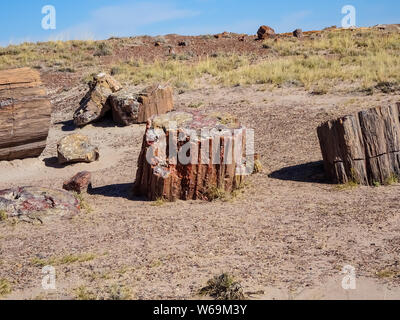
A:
x: 222, y: 35
x: 76, y: 148
x: 298, y: 33
x: 174, y: 162
x: 363, y: 148
x: 130, y: 106
x: 388, y: 27
x: 79, y: 182
x: 265, y: 32
x: 95, y: 103
x: 36, y: 203
x: 183, y: 43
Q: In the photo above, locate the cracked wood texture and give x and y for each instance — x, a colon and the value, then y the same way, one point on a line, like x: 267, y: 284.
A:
x: 24, y: 114
x: 214, y: 158
x: 363, y: 147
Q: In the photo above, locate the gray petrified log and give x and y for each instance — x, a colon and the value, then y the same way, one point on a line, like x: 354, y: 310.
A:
x: 363, y: 147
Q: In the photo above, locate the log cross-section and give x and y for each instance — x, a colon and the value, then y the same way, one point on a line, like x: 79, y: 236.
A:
x: 24, y: 114
x: 363, y: 147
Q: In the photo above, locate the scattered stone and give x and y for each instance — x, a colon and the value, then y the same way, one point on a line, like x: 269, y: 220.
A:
x: 95, y: 103
x: 76, y: 148
x: 130, y: 106
x: 298, y: 33
x: 36, y: 203
x: 363, y: 148
x: 79, y: 182
x: 204, y: 158
x: 265, y: 32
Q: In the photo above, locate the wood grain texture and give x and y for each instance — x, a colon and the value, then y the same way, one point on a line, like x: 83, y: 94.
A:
x: 362, y: 147
x: 24, y: 114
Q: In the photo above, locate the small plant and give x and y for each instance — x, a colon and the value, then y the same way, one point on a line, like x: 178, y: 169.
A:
x: 68, y: 259
x: 119, y: 292
x: 195, y: 105
x: 376, y: 184
x: 103, y: 49
x: 159, y: 202
x: 215, y: 193
x: 82, y: 293
x: 223, y: 287
x: 393, y: 179
x: 3, y: 215
x: 5, y: 287
x: 83, y: 204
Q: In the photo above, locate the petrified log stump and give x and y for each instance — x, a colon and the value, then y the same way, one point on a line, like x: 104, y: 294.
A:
x: 129, y: 106
x: 363, y: 147
x: 186, y: 155
x: 24, y: 114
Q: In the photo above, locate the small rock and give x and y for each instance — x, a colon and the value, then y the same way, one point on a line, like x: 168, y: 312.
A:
x: 183, y: 43
x: 298, y: 33
x: 76, y: 148
x: 265, y: 32
x: 79, y: 182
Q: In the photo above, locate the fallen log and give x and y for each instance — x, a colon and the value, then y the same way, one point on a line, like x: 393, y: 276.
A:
x: 190, y: 155
x: 363, y: 147
x: 24, y: 114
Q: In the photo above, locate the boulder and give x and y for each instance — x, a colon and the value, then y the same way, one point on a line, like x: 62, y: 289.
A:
x: 76, y: 148
x: 265, y: 32
x: 36, y: 203
x: 79, y: 182
x: 95, y: 104
x: 298, y: 33
x: 130, y: 106
x: 191, y: 155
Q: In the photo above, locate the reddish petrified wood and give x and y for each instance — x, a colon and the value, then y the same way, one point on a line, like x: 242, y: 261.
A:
x: 79, y: 182
x: 186, y: 155
x: 363, y: 147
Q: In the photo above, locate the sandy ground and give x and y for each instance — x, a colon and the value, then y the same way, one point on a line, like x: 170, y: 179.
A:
x: 287, y: 236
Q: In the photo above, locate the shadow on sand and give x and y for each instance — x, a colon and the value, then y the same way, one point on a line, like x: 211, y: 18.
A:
x: 311, y: 172
x: 119, y: 190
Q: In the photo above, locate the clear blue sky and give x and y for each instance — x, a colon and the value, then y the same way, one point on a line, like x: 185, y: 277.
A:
x: 20, y: 20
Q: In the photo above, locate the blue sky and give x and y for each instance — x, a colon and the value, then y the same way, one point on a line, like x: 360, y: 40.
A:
x: 20, y: 20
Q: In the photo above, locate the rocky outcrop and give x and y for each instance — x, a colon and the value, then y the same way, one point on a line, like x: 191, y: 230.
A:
x: 190, y: 155
x: 95, y: 103
x: 363, y: 147
x: 25, y: 114
x: 79, y: 183
x: 130, y: 106
x: 36, y: 203
x: 265, y: 32
x: 76, y: 148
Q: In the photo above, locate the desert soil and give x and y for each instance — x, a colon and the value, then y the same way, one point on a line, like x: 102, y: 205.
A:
x: 287, y: 235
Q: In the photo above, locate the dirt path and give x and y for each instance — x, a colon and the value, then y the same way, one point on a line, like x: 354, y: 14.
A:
x: 289, y: 234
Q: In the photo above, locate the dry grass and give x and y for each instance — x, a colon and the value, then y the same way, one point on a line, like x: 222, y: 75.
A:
x: 68, y: 259
x: 223, y: 287
x: 5, y: 287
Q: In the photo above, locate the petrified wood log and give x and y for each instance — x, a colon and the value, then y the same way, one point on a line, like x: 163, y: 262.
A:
x: 188, y: 155
x: 94, y: 104
x: 24, y: 114
x: 363, y: 147
x: 129, y: 106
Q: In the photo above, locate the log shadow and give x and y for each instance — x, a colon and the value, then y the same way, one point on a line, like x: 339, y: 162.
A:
x: 119, y: 190
x: 311, y: 172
